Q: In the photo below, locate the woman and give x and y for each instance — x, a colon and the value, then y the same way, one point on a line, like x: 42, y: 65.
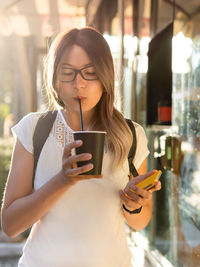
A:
x: 77, y: 220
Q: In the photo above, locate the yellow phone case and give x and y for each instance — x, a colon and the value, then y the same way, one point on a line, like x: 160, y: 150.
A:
x: 150, y: 181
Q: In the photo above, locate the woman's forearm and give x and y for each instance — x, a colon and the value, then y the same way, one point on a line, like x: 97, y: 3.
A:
x: 139, y: 220
x: 24, y: 212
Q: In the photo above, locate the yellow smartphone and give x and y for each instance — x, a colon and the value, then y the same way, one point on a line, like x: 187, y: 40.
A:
x: 150, y: 181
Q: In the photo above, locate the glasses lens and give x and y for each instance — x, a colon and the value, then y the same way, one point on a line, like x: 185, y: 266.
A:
x: 67, y: 75
x: 89, y: 73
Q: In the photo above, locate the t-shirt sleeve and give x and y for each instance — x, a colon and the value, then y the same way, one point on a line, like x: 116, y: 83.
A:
x: 24, y: 129
x: 142, y: 150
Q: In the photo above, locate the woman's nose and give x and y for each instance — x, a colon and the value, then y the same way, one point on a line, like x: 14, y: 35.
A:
x: 79, y: 81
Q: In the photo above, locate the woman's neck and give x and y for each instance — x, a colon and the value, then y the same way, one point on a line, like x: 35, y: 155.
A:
x: 73, y: 120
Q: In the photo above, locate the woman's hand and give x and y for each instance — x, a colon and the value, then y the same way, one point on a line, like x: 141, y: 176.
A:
x: 70, y: 171
x: 134, y: 197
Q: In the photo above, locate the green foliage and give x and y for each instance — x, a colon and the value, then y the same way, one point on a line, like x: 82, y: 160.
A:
x: 4, y: 111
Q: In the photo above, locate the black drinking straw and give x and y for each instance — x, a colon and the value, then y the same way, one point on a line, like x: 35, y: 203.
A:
x: 80, y: 112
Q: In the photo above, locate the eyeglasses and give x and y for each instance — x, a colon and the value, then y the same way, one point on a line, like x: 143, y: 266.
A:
x: 69, y: 74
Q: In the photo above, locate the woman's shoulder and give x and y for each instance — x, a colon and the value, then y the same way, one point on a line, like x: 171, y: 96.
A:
x: 27, y: 122
x: 25, y: 128
x: 142, y: 150
x: 139, y: 129
x: 31, y: 118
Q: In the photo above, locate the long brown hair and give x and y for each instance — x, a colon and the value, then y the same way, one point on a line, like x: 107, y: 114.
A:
x: 119, y: 137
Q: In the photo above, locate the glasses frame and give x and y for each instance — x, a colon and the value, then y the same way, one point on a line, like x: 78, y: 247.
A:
x: 76, y: 71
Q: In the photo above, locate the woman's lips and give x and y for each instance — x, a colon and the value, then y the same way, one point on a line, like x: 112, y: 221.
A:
x: 80, y: 97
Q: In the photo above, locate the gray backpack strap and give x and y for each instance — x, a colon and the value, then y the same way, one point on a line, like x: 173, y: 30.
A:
x: 41, y: 133
x: 132, y: 151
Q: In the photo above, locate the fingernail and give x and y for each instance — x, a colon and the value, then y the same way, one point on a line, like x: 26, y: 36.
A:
x: 78, y: 142
x: 126, y: 195
x: 90, y: 165
x: 132, y: 189
x: 88, y: 156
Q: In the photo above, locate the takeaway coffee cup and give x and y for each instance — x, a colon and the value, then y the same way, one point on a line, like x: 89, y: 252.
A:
x: 93, y: 143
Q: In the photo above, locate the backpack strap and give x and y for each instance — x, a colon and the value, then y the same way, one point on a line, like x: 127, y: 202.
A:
x: 132, y: 149
x: 41, y: 133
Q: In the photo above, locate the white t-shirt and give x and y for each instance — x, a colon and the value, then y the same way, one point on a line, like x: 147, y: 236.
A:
x: 86, y: 226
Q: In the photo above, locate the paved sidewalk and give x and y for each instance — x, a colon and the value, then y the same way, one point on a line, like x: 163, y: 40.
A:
x: 10, y: 254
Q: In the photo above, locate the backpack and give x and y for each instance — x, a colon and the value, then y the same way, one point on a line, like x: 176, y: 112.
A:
x: 43, y: 128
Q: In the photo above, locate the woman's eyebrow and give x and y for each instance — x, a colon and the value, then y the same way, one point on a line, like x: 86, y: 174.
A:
x: 71, y: 66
